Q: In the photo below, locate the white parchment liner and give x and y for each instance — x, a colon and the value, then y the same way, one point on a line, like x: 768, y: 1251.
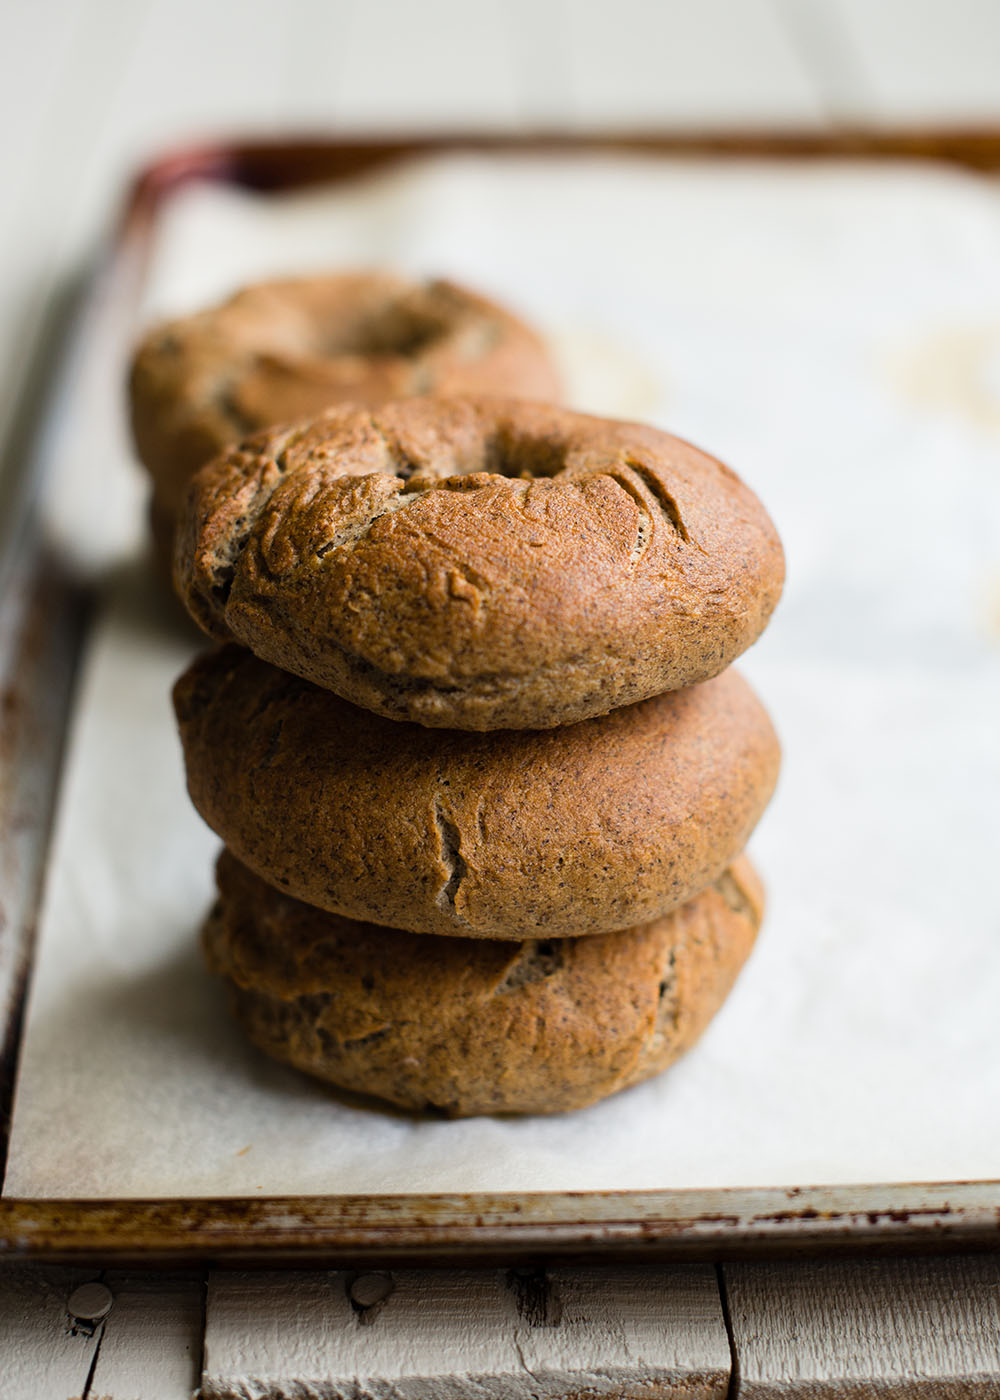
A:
x: 834, y: 333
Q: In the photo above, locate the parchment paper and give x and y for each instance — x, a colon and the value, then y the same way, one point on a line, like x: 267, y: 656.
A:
x: 834, y: 333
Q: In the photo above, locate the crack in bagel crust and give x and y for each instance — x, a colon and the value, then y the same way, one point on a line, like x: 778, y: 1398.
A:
x: 353, y: 532
x: 450, y: 839
x: 643, y: 485
x: 668, y: 506
x: 480, y: 564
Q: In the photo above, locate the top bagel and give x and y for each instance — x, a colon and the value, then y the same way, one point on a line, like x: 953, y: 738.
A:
x: 289, y: 349
x: 479, y: 564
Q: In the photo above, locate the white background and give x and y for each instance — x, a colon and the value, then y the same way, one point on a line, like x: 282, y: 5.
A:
x: 89, y: 89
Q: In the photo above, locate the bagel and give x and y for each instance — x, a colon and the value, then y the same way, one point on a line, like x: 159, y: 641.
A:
x: 592, y: 827
x: 479, y: 564
x: 288, y: 349
x: 473, y: 1027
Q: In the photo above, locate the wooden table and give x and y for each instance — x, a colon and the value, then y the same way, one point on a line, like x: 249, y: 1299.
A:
x: 88, y: 88
x: 839, y: 1328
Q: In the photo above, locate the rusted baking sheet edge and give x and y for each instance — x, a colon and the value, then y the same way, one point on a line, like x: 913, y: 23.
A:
x: 42, y: 621
x: 294, y: 161
x: 45, y: 608
x: 344, y: 1231
x: 46, y: 605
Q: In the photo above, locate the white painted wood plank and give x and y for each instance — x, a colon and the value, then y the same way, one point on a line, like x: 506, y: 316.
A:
x: 151, y: 1348
x: 817, y: 32
x: 42, y: 1357
x: 35, y: 40
x: 927, y: 60
x: 910, y: 1329
x: 202, y: 68
x: 198, y: 69
x: 313, y: 62
x: 71, y: 74
x: 442, y: 64
x: 715, y: 63
x: 133, y: 78
x: 77, y: 76
x: 442, y: 1335
x: 536, y: 40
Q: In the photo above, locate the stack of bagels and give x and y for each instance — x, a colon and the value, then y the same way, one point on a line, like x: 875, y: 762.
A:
x: 483, y: 777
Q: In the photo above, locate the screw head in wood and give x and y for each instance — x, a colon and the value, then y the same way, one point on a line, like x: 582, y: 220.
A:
x: 90, y: 1302
x: 369, y: 1289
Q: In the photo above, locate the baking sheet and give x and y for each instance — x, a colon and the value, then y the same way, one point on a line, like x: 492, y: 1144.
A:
x: 834, y: 333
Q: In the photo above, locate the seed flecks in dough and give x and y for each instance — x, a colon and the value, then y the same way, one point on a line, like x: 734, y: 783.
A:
x: 642, y: 537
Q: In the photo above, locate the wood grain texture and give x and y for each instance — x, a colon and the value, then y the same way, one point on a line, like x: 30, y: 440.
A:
x: 151, y: 1347
x: 909, y: 1329
x: 656, y: 1333
x: 42, y: 1356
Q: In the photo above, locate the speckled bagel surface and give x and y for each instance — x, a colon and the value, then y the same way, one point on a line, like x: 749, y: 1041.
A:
x: 584, y: 829
x: 288, y: 349
x: 479, y: 564
x: 462, y: 1027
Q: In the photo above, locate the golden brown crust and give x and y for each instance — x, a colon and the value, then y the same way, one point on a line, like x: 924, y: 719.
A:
x: 398, y: 558
x: 472, y: 1027
x: 284, y: 350
x: 584, y: 829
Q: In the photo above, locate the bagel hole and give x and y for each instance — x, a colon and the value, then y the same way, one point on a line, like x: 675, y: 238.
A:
x: 522, y: 455
x: 404, y: 327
